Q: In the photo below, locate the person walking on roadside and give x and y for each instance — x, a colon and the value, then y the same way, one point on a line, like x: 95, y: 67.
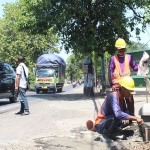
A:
x: 109, y: 121
x: 119, y: 66
x: 21, y: 86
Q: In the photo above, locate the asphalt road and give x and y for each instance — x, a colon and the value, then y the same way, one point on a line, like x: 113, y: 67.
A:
x: 58, y: 122
x: 32, y: 97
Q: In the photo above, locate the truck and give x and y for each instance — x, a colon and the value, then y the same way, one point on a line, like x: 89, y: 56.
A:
x: 50, y: 73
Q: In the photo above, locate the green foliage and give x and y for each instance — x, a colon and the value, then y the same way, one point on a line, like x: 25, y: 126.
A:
x: 137, y: 46
x: 14, y: 43
x: 147, y: 14
x: 74, y: 67
x: 32, y: 79
x: 84, y: 25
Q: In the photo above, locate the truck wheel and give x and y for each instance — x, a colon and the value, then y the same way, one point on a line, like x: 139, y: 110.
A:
x: 37, y: 91
x: 59, y: 90
x: 44, y: 91
x: 54, y: 90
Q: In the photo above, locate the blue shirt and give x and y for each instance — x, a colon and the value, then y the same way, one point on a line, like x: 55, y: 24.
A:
x: 111, y: 106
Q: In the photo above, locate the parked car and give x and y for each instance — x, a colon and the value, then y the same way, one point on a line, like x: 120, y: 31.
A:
x: 7, y: 82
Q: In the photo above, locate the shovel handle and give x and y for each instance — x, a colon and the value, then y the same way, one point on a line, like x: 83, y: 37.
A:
x: 146, y: 90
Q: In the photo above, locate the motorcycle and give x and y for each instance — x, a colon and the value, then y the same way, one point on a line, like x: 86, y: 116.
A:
x: 74, y: 84
x: 79, y: 82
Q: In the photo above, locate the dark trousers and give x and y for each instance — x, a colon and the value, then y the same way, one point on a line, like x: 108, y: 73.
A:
x: 109, y: 124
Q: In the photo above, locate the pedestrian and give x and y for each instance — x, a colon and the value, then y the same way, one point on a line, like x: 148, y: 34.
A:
x: 21, y: 86
x: 109, y: 121
x: 99, y: 83
x: 119, y: 66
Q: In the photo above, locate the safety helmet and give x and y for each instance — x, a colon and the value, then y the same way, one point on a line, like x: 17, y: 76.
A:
x: 120, y: 43
x: 127, y: 82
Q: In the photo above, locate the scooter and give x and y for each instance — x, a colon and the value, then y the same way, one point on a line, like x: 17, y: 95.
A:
x: 73, y: 84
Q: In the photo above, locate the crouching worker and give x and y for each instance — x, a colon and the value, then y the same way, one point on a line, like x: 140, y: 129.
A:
x: 113, y: 113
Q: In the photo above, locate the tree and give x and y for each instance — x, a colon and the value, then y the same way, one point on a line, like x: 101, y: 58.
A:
x: 74, y: 68
x: 137, y: 46
x: 14, y: 43
x: 83, y: 25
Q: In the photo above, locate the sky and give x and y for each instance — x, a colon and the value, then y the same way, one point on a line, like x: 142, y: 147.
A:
x: 145, y: 37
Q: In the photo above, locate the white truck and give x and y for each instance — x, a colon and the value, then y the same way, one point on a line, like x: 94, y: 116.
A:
x: 50, y: 73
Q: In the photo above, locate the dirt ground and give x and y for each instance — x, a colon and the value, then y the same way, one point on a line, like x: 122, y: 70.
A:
x: 58, y: 123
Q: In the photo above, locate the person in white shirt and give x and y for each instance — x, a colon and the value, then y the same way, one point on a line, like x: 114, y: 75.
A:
x: 21, y: 86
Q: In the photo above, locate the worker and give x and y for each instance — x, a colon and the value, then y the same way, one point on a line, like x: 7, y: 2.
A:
x: 119, y: 66
x: 108, y: 121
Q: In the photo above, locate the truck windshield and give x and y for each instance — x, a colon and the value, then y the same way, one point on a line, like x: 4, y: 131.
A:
x: 45, y: 73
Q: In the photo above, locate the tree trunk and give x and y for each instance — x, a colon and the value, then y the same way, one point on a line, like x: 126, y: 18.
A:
x: 103, y: 82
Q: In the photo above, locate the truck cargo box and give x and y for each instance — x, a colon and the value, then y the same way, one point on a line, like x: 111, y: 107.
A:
x: 51, y: 61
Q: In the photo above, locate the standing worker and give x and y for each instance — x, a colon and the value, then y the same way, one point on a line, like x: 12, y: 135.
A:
x: 21, y: 86
x: 119, y: 66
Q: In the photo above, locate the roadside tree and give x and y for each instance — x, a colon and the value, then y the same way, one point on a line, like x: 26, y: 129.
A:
x: 74, y: 68
x: 84, y: 26
x: 14, y: 43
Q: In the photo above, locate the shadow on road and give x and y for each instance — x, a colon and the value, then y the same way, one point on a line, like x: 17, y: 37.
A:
x: 4, y: 103
x: 63, y: 97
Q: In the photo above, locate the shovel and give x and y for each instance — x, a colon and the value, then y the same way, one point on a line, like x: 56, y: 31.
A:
x: 144, y: 59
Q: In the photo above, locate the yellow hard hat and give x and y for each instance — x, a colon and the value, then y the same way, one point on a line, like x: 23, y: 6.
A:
x: 127, y: 82
x: 120, y: 43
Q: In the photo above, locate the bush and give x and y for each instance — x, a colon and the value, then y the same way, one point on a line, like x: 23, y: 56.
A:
x: 32, y: 79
